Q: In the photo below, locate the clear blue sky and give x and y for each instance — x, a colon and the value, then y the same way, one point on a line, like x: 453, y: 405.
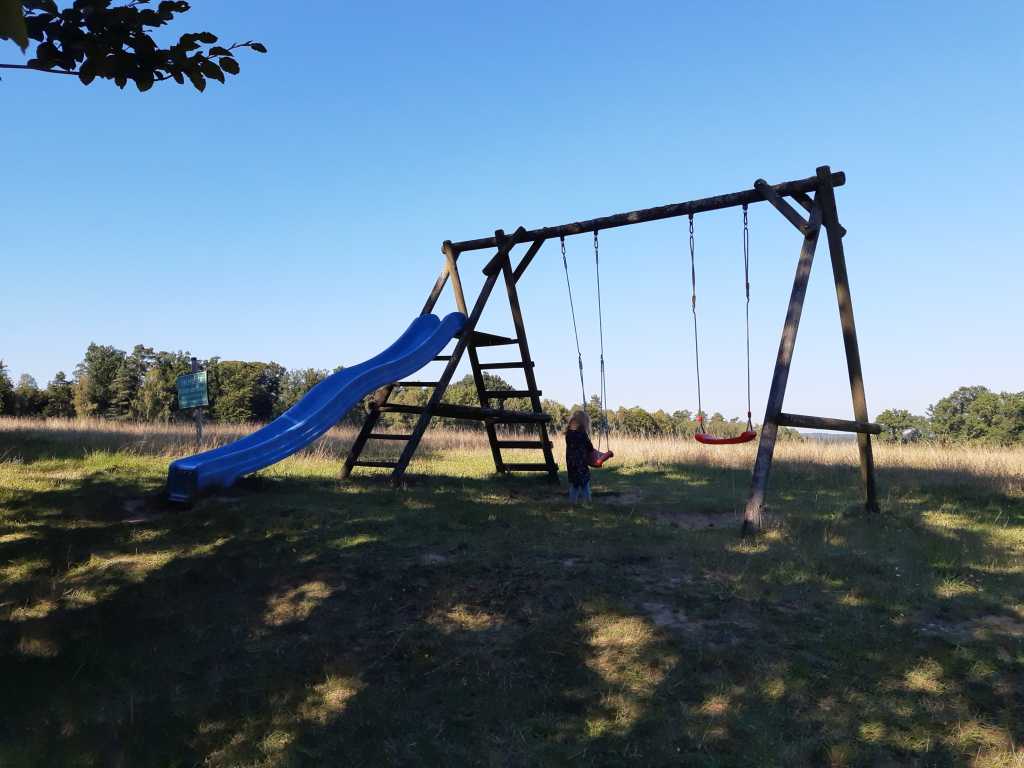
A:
x: 296, y: 213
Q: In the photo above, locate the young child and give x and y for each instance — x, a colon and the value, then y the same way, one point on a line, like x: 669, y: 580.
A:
x: 580, y: 456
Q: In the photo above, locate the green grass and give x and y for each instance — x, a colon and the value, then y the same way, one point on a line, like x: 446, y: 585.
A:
x: 469, y: 620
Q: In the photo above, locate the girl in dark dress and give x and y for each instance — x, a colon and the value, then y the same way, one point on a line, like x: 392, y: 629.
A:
x: 580, y: 456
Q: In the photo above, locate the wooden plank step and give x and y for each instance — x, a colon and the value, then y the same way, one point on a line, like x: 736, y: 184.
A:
x: 529, y: 467
x: 496, y: 366
x: 505, y: 394
x: 524, y: 443
x: 416, y: 384
x: 481, y: 339
x: 449, y: 411
x: 381, y: 464
x: 386, y: 436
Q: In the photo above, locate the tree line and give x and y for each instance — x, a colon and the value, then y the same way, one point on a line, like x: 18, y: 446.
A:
x: 140, y: 385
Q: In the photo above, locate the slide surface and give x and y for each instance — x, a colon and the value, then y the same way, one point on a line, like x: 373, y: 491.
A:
x: 322, y: 407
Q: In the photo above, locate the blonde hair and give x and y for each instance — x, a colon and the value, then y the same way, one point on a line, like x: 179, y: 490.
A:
x: 579, y: 421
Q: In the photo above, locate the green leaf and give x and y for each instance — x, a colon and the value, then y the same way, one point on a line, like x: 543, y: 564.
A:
x: 229, y: 65
x: 211, y: 70
x: 207, y: 38
x: 258, y: 47
x: 12, y: 23
x: 87, y: 72
x: 143, y: 82
x: 197, y: 80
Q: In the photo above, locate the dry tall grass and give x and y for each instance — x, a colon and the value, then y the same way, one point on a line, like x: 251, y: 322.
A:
x: 1001, y: 468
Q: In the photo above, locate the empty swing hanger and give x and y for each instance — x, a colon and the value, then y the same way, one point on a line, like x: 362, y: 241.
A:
x: 702, y: 435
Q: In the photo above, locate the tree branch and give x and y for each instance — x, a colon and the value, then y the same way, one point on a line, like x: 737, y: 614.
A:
x: 36, y: 69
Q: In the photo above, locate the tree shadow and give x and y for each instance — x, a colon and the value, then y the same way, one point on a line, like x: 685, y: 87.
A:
x: 483, y: 621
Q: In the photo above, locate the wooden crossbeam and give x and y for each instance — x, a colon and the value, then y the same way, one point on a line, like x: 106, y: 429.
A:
x: 715, y: 203
x: 822, y: 422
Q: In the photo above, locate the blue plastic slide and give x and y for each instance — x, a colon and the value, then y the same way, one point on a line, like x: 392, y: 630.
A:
x: 322, y: 407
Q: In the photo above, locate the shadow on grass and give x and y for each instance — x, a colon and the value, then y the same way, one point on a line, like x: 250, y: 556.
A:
x: 484, y: 622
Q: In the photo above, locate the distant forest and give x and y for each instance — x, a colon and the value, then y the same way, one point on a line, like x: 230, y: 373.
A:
x: 140, y: 385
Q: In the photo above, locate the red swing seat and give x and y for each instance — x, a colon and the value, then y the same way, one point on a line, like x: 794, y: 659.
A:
x: 745, y: 437
x: 703, y: 437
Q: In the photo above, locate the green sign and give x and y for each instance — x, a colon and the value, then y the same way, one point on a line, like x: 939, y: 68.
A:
x: 192, y: 390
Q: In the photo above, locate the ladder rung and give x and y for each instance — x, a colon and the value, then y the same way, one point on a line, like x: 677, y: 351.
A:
x: 494, y: 366
x: 416, y: 384
x: 382, y: 464
x: 505, y: 394
x: 442, y: 357
x: 513, y: 417
x: 386, y: 436
x: 529, y: 467
x: 481, y: 339
x: 523, y: 443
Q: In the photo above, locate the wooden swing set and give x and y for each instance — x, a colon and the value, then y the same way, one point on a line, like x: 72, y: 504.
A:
x: 815, y: 195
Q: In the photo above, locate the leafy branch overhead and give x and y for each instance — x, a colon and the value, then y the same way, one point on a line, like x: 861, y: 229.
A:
x: 96, y: 39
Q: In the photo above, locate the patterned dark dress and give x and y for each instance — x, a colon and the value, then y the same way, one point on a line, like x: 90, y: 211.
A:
x: 577, y: 455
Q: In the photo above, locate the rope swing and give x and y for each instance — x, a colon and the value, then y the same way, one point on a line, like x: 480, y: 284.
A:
x: 603, y: 393
x: 701, y: 435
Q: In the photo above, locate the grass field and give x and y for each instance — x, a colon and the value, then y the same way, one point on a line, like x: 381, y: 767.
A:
x: 474, y: 620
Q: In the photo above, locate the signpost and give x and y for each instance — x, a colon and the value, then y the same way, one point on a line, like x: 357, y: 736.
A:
x: 193, y: 394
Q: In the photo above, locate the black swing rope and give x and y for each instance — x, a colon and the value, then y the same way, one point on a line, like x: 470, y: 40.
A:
x: 600, y: 329
x: 575, y: 332
x: 693, y: 308
x: 576, y: 335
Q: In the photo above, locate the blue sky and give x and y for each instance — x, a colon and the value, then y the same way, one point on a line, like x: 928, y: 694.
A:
x: 296, y: 214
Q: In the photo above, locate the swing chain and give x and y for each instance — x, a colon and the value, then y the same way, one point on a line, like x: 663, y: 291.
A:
x: 575, y: 331
x: 696, y: 341
x: 746, y: 282
x: 600, y: 327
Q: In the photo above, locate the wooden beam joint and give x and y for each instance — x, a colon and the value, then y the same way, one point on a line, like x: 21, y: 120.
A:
x: 787, y: 210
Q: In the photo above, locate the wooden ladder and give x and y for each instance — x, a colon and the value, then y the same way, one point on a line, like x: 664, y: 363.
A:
x: 468, y: 341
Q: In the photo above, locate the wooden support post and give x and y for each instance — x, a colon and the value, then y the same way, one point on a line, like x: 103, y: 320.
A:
x: 830, y: 220
x: 753, y: 516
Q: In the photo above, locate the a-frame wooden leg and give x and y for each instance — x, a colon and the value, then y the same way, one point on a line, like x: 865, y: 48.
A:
x: 830, y: 220
x: 531, y: 378
x: 442, y: 385
x: 369, y: 422
x: 474, y: 359
x: 753, y: 515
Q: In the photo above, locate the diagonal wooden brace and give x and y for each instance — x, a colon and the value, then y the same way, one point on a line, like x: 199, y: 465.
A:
x: 782, y: 206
